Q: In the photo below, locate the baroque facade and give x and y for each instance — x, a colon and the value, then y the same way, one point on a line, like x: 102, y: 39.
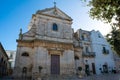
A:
x: 51, y: 47
x: 48, y: 47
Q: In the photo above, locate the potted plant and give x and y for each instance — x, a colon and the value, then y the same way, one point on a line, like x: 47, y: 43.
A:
x: 79, y: 71
x: 80, y: 68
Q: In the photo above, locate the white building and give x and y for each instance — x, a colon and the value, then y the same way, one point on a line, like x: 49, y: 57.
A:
x: 104, y: 61
x: 11, y: 55
x: 96, y: 53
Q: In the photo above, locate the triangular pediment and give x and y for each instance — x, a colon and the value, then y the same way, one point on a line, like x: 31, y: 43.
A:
x: 54, y: 12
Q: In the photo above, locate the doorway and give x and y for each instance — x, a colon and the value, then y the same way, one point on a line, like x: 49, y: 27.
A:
x: 105, y: 68
x: 55, y: 64
x: 93, y: 68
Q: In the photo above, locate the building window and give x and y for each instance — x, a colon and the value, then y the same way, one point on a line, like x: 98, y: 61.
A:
x: 86, y: 48
x: 55, y: 27
x: 83, y: 37
x: 104, y: 50
x: 25, y: 54
x: 99, y: 36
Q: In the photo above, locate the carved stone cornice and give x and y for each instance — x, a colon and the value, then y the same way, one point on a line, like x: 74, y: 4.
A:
x: 46, y: 44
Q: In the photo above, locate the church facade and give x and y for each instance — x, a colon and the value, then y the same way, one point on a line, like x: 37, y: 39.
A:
x: 49, y: 46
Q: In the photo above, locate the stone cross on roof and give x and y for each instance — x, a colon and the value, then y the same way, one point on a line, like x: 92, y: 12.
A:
x: 54, y: 4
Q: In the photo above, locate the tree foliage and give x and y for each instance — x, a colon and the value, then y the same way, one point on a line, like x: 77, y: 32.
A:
x: 105, y: 10
x: 114, y: 39
x: 108, y: 10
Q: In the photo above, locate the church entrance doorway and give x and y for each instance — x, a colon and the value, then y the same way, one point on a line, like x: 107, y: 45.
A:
x: 55, y: 64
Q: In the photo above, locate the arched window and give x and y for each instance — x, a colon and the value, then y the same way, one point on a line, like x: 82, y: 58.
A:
x: 25, y: 54
x: 86, y: 49
x: 55, y: 27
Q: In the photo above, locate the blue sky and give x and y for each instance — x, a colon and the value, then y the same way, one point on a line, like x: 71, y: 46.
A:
x: 16, y: 14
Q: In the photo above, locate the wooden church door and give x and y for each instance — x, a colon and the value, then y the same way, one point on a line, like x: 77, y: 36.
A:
x: 55, y: 64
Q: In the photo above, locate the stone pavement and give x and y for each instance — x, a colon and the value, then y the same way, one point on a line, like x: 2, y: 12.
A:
x: 93, y: 77
x: 103, y: 77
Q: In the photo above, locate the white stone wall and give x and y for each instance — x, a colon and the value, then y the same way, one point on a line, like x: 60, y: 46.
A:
x: 67, y: 63
x: 98, y: 42
x: 44, y: 27
x: 79, y: 62
x: 117, y: 61
x: 23, y: 61
x: 89, y: 62
x: 41, y: 58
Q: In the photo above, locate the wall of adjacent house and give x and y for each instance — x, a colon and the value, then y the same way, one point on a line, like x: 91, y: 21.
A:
x: 4, y: 66
x: 12, y: 55
x: 98, y: 42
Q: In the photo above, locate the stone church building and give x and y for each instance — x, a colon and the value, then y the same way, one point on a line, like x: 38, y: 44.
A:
x: 49, y: 46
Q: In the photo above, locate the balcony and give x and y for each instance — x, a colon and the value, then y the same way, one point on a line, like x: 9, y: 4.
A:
x: 88, y: 54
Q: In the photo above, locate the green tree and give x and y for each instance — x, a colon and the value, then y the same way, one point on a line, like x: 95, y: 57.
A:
x: 107, y: 11
x: 114, y: 39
